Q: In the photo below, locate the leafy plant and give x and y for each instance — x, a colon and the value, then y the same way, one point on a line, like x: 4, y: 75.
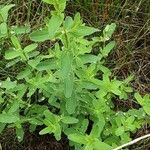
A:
x: 67, y: 89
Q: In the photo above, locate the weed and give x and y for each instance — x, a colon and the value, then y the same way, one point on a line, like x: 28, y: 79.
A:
x: 60, y: 90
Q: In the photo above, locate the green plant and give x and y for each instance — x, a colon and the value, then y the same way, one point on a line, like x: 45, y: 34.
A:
x: 62, y: 90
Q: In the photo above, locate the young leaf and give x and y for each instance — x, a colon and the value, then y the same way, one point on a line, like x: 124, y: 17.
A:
x: 4, y: 12
x: 40, y: 36
x: 81, y: 139
x: 69, y: 120
x: 24, y: 73
x: 68, y: 86
x: 15, y: 41
x: 30, y: 48
x: 3, y: 29
x: 108, y: 31
x: 71, y: 104
x: 8, y: 118
x: 106, y: 50
x: 20, y: 134
x: 11, y: 54
x: 84, y: 31
x: 21, y: 29
x: 54, y: 24
x: 101, y: 145
x: 46, y: 130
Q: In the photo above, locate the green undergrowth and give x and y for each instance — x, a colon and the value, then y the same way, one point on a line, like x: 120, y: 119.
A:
x: 67, y: 89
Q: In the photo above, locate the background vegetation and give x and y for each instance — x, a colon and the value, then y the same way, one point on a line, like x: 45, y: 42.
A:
x: 131, y: 56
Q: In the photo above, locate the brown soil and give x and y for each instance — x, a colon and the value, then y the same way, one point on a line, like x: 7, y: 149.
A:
x: 32, y: 142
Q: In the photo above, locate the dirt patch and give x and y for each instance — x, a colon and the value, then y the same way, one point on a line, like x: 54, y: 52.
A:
x: 32, y: 141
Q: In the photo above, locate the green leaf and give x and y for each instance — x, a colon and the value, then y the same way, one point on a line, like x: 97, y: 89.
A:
x: 89, y: 58
x: 147, y: 108
x: 106, y: 50
x: 84, y: 31
x: 21, y: 29
x: 66, y: 64
x: 57, y: 132
x: 50, y: 116
x: 24, y: 73
x: 108, y: 31
x: 98, y: 145
x: 68, y: 86
x: 120, y: 131
x: 2, y: 127
x: 81, y: 139
x: 98, y: 127
x: 8, y: 118
x: 139, y: 98
x: 54, y: 24
x: 71, y: 104
x: 8, y: 84
x: 69, y: 120
x: 68, y: 23
x: 3, y: 29
x: 52, y: 2
x: 77, y: 22
x: 40, y: 36
x: 12, y: 62
x: 46, y: 130
x: 89, y: 147
x: 14, y: 107
x: 15, y: 41
x: 4, y: 12
x: 20, y: 134
x: 34, y: 62
x: 59, y: 5
x: 11, y: 54
x: 30, y: 48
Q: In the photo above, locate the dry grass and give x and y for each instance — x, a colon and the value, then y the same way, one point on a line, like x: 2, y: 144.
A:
x: 132, y: 55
